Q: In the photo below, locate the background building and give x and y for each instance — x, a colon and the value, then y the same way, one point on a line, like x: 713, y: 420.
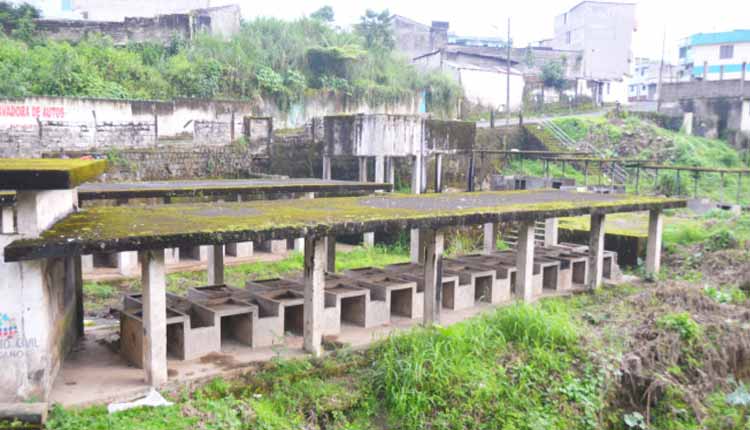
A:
x: 715, y: 56
x: 644, y: 81
x: 112, y: 10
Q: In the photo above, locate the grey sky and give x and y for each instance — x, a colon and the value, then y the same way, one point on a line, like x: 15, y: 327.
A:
x: 531, y: 19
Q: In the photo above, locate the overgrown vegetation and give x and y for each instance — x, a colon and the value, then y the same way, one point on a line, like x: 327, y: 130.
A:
x: 269, y: 58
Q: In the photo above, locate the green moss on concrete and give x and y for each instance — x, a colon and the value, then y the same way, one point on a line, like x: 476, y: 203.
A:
x: 44, y: 174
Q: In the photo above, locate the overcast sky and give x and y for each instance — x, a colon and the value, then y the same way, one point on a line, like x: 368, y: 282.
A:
x: 531, y: 19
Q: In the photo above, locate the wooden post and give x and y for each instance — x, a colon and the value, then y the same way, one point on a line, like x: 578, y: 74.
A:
x: 216, y: 265
x: 433, y: 268
x: 596, y: 251
x: 653, y: 247
x: 153, y: 282
x: 525, y: 261
x: 315, y: 265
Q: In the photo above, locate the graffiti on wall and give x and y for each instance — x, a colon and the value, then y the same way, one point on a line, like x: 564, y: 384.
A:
x: 32, y: 111
x: 12, y: 344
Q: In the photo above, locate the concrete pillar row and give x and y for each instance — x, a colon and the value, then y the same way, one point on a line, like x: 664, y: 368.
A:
x: 551, y: 232
x: 596, y: 251
x: 653, y: 246
x: 525, y: 261
x: 315, y: 268
x: 216, y: 265
x: 433, y: 244
x: 153, y: 281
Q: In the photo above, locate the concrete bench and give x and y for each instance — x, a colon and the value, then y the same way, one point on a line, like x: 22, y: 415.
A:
x: 415, y: 273
x: 398, y: 293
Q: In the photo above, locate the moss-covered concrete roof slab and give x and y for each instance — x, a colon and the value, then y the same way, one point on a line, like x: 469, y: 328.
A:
x: 124, y: 228
x: 98, y: 191
x: 47, y: 173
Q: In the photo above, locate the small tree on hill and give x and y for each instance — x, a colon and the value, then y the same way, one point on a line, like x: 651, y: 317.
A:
x: 376, y: 29
x: 324, y: 14
x: 553, y: 76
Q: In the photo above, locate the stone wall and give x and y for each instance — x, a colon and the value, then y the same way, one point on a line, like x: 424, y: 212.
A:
x: 674, y: 92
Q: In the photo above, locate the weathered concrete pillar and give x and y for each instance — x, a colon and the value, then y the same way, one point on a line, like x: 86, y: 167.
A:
x: 315, y: 265
x: 423, y: 170
x: 439, y: 173
x: 380, y: 169
x: 171, y: 256
x: 87, y: 263
x: 326, y: 167
x: 330, y: 254
x: 416, y: 246
x: 7, y: 225
x: 216, y: 265
x: 38, y: 210
x: 153, y: 281
x: 687, y: 123
x: 596, y: 251
x: 653, y: 247
x: 299, y: 243
x: 416, y: 175
x: 74, y: 282
x: 490, y: 237
x: 127, y: 263
x: 525, y: 261
x: 551, y: 232
x: 433, y: 268
x: 368, y: 239
x: 240, y: 249
x: 390, y: 170
x: 362, y: 161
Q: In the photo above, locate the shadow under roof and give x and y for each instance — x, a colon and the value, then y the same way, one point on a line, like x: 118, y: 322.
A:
x: 129, y: 228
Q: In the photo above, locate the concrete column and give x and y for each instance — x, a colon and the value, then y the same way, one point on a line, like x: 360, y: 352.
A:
x: 439, y: 173
x: 551, y: 232
x: 87, y: 263
x: 433, y: 276
x: 8, y: 225
x: 153, y: 281
x: 416, y: 175
x: 171, y: 256
x: 596, y: 251
x: 127, y: 263
x: 687, y: 123
x: 299, y: 243
x: 368, y: 239
x: 390, y: 170
x: 525, y: 261
x: 315, y: 265
x: 653, y: 247
x: 216, y: 265
x: 380, y: 169
x: 416, y: 246
x: 331, y: 254
x: 362, y: 169
x: 74, y: 282
x: 326, y: 167
x: 490, y: 237
x: 423, y: 169
x: 38, y: 210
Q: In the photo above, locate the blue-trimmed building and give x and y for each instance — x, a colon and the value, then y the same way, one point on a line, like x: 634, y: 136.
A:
x: 716, y: 56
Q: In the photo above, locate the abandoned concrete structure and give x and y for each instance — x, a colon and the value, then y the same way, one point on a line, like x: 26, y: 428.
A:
x: 42, y: 267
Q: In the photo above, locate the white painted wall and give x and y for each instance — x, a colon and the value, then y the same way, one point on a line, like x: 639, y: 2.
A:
x: 711, y: 55
x: 489, y: 88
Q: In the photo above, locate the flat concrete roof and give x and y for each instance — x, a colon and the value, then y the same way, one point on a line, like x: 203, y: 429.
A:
x: 99, y: 191
x: 47, y: 173
x: 128, y: 228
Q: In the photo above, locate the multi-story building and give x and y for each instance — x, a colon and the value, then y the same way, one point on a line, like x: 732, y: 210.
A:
x: 644, y: 81
x: 715, y: 56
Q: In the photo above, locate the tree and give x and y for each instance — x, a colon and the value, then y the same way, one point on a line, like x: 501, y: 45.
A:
x: 18, y: 21
x: 553, y: 75
x: 376, y: 29
x: 324, y: 14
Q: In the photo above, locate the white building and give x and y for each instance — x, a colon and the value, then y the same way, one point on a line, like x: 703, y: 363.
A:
x: 715, y: 56
x: 644, y: 82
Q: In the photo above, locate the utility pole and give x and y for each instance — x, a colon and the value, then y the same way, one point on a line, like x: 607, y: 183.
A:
x: 661, y: 72
x: 507, y: 92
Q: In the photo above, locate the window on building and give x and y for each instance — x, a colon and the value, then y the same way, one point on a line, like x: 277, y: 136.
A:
x: 726, y: 52
x: 567, y: 38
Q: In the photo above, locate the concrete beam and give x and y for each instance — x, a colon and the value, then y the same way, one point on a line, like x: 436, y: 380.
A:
x: 38, y: 210
x: 653, y: 247
x: 525, y: 261
x: 7, y: 225
x: 490, y: 238
x: 551, y: 232
x: 216, y: 265
x: 433, y: 275
x: 153, y: 280
x: 315, y: 265
x: 596, y: 251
